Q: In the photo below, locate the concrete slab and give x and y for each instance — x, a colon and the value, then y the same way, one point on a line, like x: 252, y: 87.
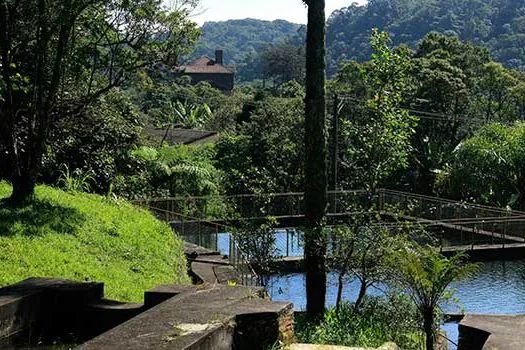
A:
x: 502, y: 332
x: 193, y: 249
x: 165, y: 325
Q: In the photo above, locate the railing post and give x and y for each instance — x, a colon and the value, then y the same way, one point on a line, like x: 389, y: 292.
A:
x: 217, y: 237
x: 472, y: 233
x: 230, y: 248
x: 441, y: 241
x: 199, y: 231
x: 287, y: 243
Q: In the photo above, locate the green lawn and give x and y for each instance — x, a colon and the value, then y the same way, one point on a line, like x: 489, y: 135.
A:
x: 88, y: 238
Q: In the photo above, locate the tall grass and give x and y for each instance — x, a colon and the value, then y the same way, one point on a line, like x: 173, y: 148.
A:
x: 88, y: 238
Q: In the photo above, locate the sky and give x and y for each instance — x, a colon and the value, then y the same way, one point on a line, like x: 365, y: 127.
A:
x: 290, y: 10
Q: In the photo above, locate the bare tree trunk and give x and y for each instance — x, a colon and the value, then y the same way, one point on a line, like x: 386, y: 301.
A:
x: 23, y: 187
x: 428, y: 327
x: 340, y: 280
x: 315, y: 158
x: 360, y: 296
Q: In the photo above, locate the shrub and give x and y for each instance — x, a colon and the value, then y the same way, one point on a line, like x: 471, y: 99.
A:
x: 379, y: 321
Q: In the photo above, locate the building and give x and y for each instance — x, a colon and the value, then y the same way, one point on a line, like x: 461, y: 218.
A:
x: 179, y: 136
x: 210, y: 70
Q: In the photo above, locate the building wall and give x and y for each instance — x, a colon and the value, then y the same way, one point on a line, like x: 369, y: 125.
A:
x: 222, y: 81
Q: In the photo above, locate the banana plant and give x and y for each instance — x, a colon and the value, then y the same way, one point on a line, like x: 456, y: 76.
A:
x: 187, y: 116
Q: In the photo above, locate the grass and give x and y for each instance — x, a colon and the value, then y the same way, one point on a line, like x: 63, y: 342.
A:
x: 88, y: 238
x: 379, y: 321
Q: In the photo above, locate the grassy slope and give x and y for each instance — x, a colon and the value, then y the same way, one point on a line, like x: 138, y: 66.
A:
x: 88, y: 238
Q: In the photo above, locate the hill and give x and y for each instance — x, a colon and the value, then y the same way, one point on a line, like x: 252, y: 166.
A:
x: 496, y: 24
x: 241, y: 38
x: 88, y: 238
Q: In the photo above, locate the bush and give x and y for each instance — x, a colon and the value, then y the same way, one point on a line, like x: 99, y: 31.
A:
x: 96, y: 143
x: 379, y: 321
x: 88, y: 238
x: 174, y: 171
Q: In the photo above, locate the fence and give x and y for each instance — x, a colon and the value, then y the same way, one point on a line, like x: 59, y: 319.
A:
x: 480, y: 223
x: 207, y: 234
x: 253, y: 205
x: 201, y: 220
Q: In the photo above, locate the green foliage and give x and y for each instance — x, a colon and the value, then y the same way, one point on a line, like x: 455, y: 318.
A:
x: 379, y: 321
x: 496, y: 24
x: 376, y: 131
x: 425, y: 275
x: 170, y: 171
x: 362, y: 248
x: 88, y: 238
x: 492, y: 23
x: 242, y: 39
x: 257, y: 241
x: 178, y: 104
x: 192, y: 116
x: 97, y: 143
x: 489, y: 166
x: 283, y: 63
x: 74, y: 181
x: 266, y: 154
x: 72, y: 53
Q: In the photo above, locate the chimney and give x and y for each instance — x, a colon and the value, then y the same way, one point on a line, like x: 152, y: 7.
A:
x: 219, y: 57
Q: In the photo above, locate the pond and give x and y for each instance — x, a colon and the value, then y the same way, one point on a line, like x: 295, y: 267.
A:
x: 498, y: 288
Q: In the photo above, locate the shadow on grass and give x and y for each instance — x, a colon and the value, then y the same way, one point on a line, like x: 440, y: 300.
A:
x: 38, y: 217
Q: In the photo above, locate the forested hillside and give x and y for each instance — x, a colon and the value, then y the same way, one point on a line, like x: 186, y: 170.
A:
x: 496, y: 24
x: 240, y: 38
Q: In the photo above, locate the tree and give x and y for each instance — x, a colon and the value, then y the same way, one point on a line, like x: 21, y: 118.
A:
x: 267, y: 153
x: 425, y: 275
x: 315, y: 158
x: 96, y: 143
x: 283, y: 62
x: 376, y: 132
x: 57, y: 57
x: 362, y: 247
x: 446, y: 74
x: 490, y: 166
x: 256, y: 239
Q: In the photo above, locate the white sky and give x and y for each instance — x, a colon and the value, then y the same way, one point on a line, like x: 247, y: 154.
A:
x: 290, y: 10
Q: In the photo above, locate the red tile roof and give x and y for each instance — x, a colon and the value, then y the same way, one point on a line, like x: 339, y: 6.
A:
x: 205, y: 65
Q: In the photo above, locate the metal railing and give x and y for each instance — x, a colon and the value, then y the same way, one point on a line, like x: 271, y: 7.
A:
x: 207, y: 234
x: 254, y: 205
x: 200, y: 220
x: 470, y: 220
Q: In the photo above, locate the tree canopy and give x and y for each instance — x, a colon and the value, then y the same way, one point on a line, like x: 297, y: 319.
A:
x: 58, y: 57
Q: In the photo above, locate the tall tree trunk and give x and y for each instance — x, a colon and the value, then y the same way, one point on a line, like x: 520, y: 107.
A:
x: 26, y: 166
x: 340, y: 285
x: 428, y: 327
x: 23, y: 187
x: 361, y: 296
x: 315, y: 158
